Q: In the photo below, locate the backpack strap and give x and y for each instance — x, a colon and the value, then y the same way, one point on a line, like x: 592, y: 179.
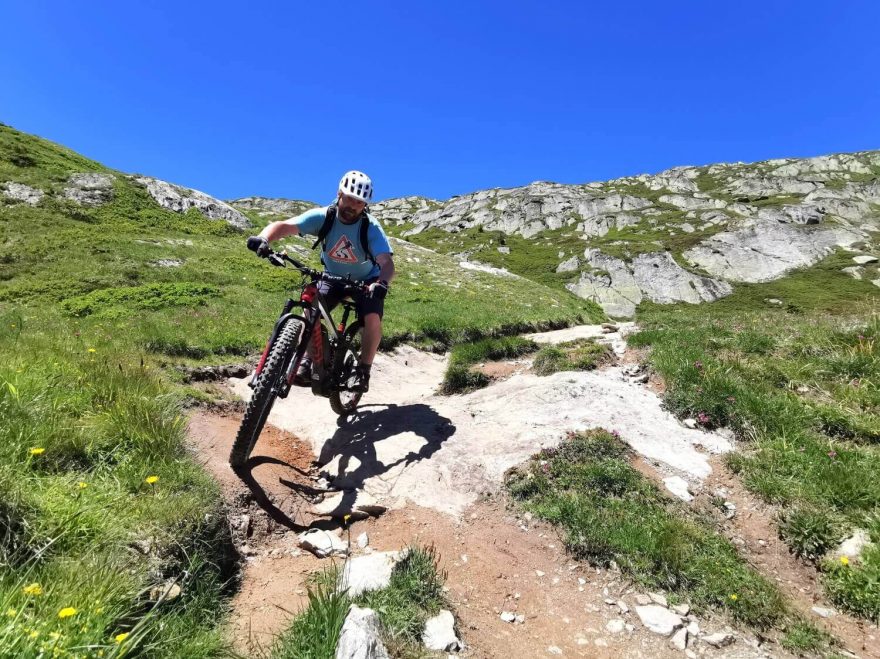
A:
x: 365, y: 243
x: 329, y: 218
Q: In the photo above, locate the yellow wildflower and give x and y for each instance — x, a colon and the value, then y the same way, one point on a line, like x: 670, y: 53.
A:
x: 55, y: 635
x: 33, y: 589
x: 34, y: 633
x: 82, y: 485
x: 734, y: 597
x: 11, y: 612
x: 92, y: 350
x: 150, y: 480
x: 120, y: 637
x: 37, y: 451
x: 844, y: 560
x: 66, y: 612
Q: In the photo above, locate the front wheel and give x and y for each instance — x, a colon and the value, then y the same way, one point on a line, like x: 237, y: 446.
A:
x: 345, y: 360
x: 265, y: 392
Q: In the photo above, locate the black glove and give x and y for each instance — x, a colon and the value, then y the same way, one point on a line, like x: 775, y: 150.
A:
x: 378, y: 289
x: 259, y: 245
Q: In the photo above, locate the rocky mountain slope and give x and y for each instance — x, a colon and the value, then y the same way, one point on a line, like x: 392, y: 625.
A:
x: 685, y: 234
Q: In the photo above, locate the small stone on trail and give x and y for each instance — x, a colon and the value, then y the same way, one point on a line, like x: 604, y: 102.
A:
x: 363, y: 540
x: 507, y: 616
x: 610, y: 602
x: 359, y: 638
x: 582, y: 581
x: 439, y: 633
x: 680, y: 639
x: 693, y: 628
x: 658, y: 619
x: 679, y: 487
x: 622, y: 606
x: 642, y: 599
x: 658, y: 598
x: 690, y: 654
x: 615, y: 626
x: 368, y: 572
x: 682, y: 609
x: 539, y: 573
x: 719, y: 640
x: 823, y: 612
x: 690, y: 423
x: 600, y: 643
x: 729, y: 509
x: 323, y: 543
x: 554, y: 650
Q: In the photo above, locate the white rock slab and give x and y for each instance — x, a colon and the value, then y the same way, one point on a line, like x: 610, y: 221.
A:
x: 371, y: 572
x: 439, y: 633
x: 323, y: 543
x: 360, y: 637
x: 679, y: 487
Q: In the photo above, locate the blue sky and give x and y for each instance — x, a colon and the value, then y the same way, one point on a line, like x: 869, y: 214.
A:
x: 438, y: 98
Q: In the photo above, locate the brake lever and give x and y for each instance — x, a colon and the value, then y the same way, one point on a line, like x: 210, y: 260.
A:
x: 276, y: 260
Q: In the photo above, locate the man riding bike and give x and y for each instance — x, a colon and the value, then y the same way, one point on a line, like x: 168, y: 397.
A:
x: 352, y: 244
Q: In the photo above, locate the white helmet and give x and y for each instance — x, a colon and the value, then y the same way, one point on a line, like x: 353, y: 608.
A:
x: 357, y: 184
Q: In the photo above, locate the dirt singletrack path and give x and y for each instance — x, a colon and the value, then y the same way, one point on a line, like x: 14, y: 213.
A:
x: 435, y: 465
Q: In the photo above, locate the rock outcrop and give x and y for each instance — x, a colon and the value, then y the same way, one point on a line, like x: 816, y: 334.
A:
x: 743, y: 222
x: 89, y: 188
x: 265, y: 206
x: 180, y: 200
x: 22, y: 193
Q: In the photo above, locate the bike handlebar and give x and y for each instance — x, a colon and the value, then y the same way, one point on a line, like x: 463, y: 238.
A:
x: 280, y: 259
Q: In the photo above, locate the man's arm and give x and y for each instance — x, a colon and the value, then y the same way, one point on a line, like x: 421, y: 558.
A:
x: 278, y: 230
x: 386, y: 267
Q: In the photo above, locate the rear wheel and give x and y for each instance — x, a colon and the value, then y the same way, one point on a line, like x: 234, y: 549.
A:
x: 265, y: 393
x: 345, y: 360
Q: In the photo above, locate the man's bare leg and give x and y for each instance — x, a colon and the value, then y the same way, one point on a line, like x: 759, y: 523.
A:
x: 372, y: 337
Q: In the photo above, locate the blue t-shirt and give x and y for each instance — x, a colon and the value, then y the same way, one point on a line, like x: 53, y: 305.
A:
x: 344, y: 254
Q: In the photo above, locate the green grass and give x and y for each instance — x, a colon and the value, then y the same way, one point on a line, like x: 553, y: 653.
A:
x: 580, y: 355
x: 80, y: 431
x: 315, y: 632
x: 799, y: 382
x: 460, y: 376
x: 608, y: 511
x: 414, y: 594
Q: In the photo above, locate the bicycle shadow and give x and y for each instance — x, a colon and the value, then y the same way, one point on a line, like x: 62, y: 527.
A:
x: 355, y: 454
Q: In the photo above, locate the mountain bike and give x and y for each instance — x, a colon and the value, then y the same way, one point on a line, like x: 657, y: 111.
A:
x: 304, y: 326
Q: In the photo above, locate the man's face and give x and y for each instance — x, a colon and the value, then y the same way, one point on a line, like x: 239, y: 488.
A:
x: 350, y: 207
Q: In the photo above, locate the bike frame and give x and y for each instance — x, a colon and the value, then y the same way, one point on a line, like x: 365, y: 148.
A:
x: 315, y: 315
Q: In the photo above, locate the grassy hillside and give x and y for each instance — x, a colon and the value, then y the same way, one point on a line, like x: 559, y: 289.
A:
x: 793, y: 366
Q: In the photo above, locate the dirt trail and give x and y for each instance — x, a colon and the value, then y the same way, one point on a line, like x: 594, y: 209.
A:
x: 437, y: 464
x: 495, y: 561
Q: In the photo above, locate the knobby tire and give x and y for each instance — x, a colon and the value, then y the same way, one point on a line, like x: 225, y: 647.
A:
x: 346, y: 358
x: 265, y: 393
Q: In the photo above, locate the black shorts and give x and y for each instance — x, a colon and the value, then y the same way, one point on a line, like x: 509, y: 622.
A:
x: 333, y: 291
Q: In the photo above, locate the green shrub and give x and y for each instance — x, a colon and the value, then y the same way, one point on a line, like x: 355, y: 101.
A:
x: 580, y: 355
x: 808, y: 531
x: 148, y: 297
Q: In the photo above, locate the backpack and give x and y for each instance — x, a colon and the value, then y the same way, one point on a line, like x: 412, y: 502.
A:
x: 329, y: 218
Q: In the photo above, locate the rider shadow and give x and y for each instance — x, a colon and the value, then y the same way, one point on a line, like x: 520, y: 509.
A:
x: 355, y: 444
x: 259, y: 495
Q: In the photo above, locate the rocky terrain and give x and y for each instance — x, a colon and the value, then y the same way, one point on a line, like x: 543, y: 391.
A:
x: 685, y: 234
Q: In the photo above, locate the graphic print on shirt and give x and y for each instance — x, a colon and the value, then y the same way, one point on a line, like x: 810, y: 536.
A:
x: 343, y: 251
